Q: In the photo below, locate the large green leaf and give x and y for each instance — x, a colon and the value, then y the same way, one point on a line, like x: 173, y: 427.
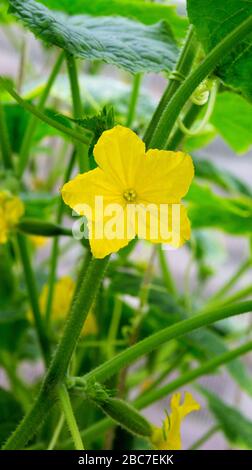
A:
x: 146, y: 12
x: 232, y: 117
x: 213, y: 20
x: 125, y: 43
x: 236, y: 427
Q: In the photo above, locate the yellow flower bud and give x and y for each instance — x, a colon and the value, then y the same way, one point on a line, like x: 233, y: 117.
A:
x: 11, y: 210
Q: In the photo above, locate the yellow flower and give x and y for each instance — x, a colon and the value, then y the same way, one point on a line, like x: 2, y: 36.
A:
x: 11, y: 210
x: 130, y: 178
x: 38, y: 241
x: 62, y: 299
x: 168, y: 437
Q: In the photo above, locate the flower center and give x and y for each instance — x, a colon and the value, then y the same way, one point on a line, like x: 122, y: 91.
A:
x: 130, y: 195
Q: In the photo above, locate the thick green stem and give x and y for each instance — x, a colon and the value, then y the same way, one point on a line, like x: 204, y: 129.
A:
x: 81, y: 150
x: 32, y: 124
x: 172, y: 108
x: 152, y: 342
x: 61, y: 359
x: 69, y: 416
x: 4, y: 140
x: 182, y: 69
x: 73, y: 134
x: 133, y: 99
x: 33, y: 296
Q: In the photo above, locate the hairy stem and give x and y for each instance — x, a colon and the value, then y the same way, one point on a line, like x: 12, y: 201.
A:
x: 59, y: 364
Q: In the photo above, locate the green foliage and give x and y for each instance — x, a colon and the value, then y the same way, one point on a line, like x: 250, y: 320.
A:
x: 236, y: 427
x: 207, y: 170
x: 213, y: 20
x: 11, y: 413
x: 232, y: 117
x: 145, y: 12
x: 117, y: 41
x: 207, y: 209
x: 140, y: 310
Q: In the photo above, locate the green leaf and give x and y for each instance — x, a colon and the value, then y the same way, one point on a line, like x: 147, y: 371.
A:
x: 236, y: 427
x: 213, y: 20
x: 17, y: 120
x: 207, y: 170
x: 232, y: 117
x: 145, y: 12
x: 4, y: 17
x: 11, y: 413
x: 125, y: 43
x: 207, y: 209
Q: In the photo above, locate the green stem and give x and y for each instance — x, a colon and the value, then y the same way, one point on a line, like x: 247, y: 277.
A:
x: 167, y: 277
x: 4, y: 140
x: 33, y: 296
x: 61, y: 359
x: 241, y: 294
x: 154, y: 341
x: 80, y: 137
x: 183, y: 67
x: 55, y: 247
x: 134, y: 99
x: 69, y: 416
x: 113, y: 328
x: 177, y: 137
x: 172, y: 108
x: 232, y: 281
x: 33, y: 122
x: 82, y: 151
x: 56, y: 433
x: 205, y: 437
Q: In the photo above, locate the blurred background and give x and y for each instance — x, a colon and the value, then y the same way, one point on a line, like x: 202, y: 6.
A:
x: 113, y: 86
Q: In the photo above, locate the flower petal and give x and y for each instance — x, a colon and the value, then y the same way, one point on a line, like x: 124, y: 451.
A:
x: 165, y: 176
x: 120, y: 153
x: 111, y: 233
x: 163, y: 224
x: 81, y: 193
